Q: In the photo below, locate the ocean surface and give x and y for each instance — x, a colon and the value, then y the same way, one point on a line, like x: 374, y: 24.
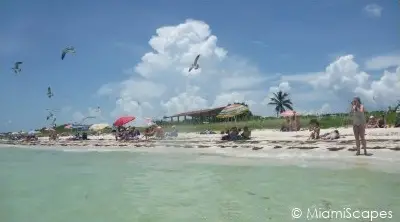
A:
x: 58, y: 186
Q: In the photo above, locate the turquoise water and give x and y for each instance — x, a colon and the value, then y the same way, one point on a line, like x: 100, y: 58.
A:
x: 52, y: 186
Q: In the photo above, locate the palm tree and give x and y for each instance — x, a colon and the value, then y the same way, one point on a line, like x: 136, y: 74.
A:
x: 281, y: 102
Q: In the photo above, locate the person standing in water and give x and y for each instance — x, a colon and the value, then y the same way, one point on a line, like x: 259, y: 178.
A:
x: 357, y: 113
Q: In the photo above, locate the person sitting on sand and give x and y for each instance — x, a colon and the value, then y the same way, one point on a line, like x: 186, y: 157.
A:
x: 149, y: 132
x: 315, y: 129
x: 173, y: 133
x: 382, y: 122
x: 246, y: 133
x: 372, y: 123
x: 331, y: 136
x: 159, y: 132
x: 136, y: 133
x: 84, y: 136
x: 234, y: 134
x: 226, y: 135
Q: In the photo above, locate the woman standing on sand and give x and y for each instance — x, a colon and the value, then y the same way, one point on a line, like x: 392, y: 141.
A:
x: 357, y: 113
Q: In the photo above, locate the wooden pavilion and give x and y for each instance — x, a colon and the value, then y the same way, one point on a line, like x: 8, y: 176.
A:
x: 204, y: 115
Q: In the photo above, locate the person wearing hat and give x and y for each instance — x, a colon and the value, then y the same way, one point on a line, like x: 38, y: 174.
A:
x: 372, y: 123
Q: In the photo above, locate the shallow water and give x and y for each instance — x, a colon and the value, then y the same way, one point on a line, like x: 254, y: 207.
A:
x: 50, y: 186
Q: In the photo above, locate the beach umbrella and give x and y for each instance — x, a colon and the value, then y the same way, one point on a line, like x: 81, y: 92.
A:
x: 123, y: 120
x: 232, y: 111
x: 289, y: 113
x: 69, y: 126
x: 98, y: 127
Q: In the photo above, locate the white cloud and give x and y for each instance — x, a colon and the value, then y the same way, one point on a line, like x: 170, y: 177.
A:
x: 283, y: 86
x: 382, y: 62
x: 373, y: 10
x: 344, y: 79
x: 162, y: 82
x: 161, y: 85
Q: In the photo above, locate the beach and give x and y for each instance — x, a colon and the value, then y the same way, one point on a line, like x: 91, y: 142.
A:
x: 276, y: 146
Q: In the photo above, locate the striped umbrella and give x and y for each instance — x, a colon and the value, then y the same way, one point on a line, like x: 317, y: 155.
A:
x: 232, y: 111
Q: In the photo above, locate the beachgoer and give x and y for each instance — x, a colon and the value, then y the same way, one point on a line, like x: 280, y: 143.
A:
x: 149, y: 132
x: 298, y: 126
x: 357, y: 111
x: 246, y: 133
x: 234, y: 133
x: 159, y: 132
x: 372, y: 123
x: 286, y: 125
x: 294, y: 122
x: 315, y: 129
x: 331, y: 136
x: 173, y: 133
x: 382, y: 122
x: 226, y: 135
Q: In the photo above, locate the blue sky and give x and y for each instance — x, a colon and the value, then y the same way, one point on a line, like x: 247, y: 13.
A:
x: 273, y: 39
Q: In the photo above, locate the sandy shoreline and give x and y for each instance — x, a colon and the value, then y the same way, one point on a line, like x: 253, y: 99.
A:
x: 281, y: 147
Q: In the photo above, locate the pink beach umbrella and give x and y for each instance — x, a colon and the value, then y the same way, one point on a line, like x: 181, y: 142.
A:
x: 289, y: 113
x: 123, y: 120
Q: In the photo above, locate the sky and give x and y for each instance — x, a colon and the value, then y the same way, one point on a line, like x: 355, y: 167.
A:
x: 132, y: 57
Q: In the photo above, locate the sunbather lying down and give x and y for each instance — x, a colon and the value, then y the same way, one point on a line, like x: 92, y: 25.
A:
x: 208, y: 132
x: 172, y: 133
x: 331, y: 136
x: 234, y: 134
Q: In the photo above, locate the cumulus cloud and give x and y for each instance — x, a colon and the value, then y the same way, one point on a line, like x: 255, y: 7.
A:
x: 163, y: 85
x: 382, y: 62
x: 160, y: 83
x: 373, y: 10
x: 344, y: 78
x: 283, y: 86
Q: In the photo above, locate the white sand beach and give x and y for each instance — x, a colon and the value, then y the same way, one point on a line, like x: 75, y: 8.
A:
x: 280, y: 147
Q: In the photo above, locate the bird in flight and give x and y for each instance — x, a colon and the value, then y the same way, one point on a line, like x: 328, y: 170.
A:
x: 16, y: 68
x: 195, y: 65
x: 49, y: 92
x: 69, y: 49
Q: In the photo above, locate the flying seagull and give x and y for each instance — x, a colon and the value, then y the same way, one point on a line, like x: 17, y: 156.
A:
x: 16, y: 68
x: 49, y: 116
x: 69, y: 49
x: 195, y: 65
x: 49, y: 92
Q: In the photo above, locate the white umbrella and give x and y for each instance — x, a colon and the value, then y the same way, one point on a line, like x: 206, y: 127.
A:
x: 99, y: 126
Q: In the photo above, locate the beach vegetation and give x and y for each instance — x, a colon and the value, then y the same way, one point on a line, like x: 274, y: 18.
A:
x: 281, y: 101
